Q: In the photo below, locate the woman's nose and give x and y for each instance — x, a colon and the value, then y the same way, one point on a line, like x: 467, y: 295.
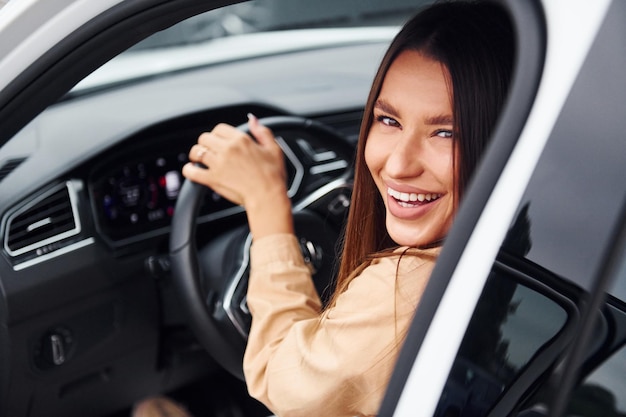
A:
x: 406, y: 158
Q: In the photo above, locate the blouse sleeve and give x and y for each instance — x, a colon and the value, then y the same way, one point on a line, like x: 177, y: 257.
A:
x: 301, y: 362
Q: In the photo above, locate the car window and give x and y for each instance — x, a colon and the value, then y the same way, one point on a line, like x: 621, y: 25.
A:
x: 515, y: 334
x: 270, y: 15
x: 211, y: 38
x: 602, y: 382
x: 601, y: 391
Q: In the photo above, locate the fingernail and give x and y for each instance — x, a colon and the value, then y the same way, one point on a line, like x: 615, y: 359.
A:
x: 251, y: 117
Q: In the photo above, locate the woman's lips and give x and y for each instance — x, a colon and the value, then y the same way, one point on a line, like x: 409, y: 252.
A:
x: 407, y: 205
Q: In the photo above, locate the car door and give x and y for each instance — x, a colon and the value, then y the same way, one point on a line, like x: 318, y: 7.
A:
x: 544, y: 333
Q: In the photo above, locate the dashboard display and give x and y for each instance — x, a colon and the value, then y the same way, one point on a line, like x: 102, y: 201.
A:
x: 139, y: 196
x: 136, y: 196
x: 143, y: 192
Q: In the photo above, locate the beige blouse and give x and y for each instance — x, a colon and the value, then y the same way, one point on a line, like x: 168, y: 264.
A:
x: 301, y: 362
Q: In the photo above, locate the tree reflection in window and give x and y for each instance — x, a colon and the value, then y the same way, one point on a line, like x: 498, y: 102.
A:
x: 516, y: 320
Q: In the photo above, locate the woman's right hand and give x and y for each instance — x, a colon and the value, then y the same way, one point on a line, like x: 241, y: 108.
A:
x: 245, y: 171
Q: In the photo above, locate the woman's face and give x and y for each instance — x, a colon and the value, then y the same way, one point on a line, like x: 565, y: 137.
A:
x: 409, y: 150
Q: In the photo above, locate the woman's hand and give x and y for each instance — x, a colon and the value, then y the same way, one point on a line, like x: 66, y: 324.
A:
x: 247, y: 172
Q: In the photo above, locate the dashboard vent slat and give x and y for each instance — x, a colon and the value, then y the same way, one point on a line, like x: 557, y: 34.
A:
x: 47, y: 220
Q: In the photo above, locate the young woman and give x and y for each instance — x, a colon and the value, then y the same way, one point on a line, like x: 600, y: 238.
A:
x: 432, y: 106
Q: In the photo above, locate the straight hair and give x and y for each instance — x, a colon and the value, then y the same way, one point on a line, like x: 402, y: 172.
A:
x: 474, y: 41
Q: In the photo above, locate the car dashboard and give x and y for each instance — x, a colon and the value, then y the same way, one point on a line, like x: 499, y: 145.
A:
x: 89, y: 189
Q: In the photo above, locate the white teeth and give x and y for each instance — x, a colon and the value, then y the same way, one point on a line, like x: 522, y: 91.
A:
x: 411, y: 197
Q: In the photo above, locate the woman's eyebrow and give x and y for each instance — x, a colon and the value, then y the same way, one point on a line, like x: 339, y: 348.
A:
x: 386, y: 107
x: 444, y: 119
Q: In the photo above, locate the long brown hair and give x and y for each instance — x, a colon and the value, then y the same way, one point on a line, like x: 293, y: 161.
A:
x: 474, y: 41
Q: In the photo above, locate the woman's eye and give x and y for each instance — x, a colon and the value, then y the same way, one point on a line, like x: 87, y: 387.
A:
x: 387, y: 121
x: 443, y: 133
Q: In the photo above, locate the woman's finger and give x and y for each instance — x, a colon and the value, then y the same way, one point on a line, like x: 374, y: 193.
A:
x: 195, y: 173
x: 197, y: 153
x: 222, y: 135
x: 261, y: 133
x: 205, y: 177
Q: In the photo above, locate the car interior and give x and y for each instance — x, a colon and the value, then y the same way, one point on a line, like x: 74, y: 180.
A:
x: 120, y: 280
x: 95, y: 318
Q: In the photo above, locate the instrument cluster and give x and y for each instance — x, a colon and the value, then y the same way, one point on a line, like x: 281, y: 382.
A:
x: 134, y: 194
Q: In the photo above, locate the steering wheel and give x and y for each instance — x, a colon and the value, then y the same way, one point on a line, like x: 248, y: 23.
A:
x: 211, y: 281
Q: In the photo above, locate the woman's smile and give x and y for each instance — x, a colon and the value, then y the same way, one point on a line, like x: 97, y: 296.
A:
x: 412, y: 199
x: 410, y: 205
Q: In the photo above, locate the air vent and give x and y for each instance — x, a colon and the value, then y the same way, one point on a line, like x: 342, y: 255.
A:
x: 43, y: 222
x: 9, y: 166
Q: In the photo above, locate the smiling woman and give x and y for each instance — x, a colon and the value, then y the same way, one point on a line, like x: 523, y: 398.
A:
x: 419, y: 144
